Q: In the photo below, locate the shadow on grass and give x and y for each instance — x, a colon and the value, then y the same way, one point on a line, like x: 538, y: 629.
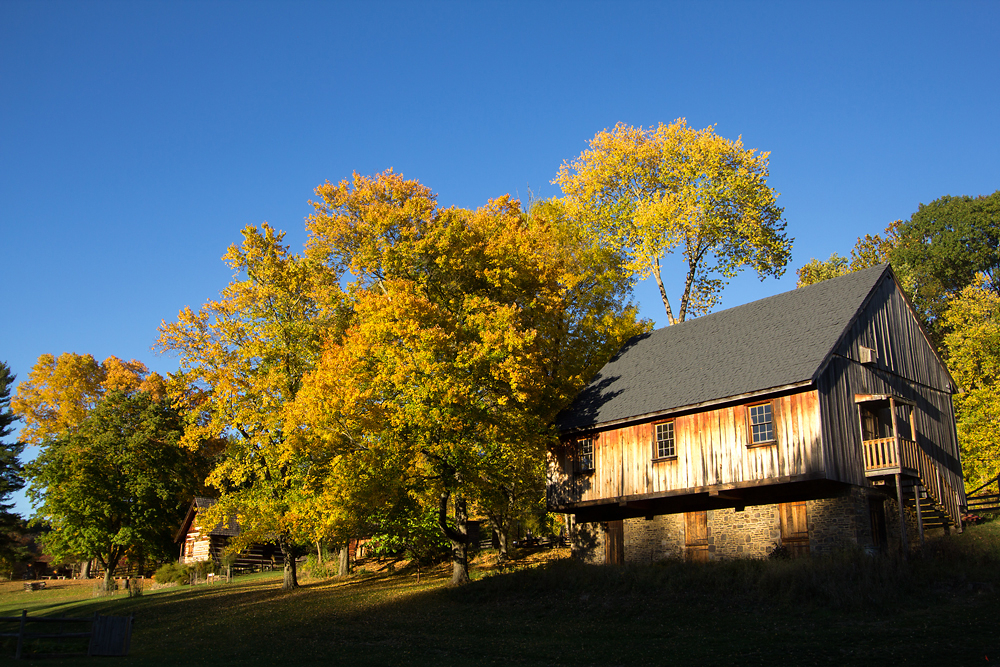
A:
x: 849, y: 608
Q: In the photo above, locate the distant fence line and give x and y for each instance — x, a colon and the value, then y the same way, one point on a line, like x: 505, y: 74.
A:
x: 108, y: 635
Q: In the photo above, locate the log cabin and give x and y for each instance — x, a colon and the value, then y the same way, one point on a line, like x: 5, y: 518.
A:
x: 198, y: 544
x: 809, y: 421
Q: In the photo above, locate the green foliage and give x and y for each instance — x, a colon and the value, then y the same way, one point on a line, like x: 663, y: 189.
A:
x: 179, y: 573
x: 317, y: 570
x: 944, y: 246
x: 172, y: 573
x: 118, y: 484
x: 11, y: 478
x: 414, y: 535
x: 935, y: 254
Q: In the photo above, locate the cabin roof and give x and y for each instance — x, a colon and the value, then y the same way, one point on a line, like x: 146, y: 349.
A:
x: 767, y: 344
x: 230, y: 528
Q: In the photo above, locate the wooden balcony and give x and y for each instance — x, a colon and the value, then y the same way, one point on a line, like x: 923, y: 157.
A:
x: 890, y: 456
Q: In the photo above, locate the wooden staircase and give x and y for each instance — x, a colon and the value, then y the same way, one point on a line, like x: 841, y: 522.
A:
x: 939, y: 502
x: 932, y: 514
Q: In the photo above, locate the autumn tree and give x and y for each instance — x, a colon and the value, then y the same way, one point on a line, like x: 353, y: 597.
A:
x: 117, y: 483
x: 61, y: 391
x: 468, y: 333
x: 817, y: 270
x: 650, y: 193
x: 242, y: 360
x: 973, y: 345
x: 10, y: 467
x: 869, y: 250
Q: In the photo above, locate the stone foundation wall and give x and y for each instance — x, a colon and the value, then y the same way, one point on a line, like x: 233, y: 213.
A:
x: 659, y: 538
x: 840, y: 522
x: 752, y: 533
x: 834, y: 523
x: 892, y: 526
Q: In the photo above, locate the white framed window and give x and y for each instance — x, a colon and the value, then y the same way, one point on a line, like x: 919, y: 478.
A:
x: 664, y: 445
x: 761, y: 418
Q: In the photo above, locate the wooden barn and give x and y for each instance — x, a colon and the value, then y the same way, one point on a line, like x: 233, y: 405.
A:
x: 199, y: 544
x: 810, y: 420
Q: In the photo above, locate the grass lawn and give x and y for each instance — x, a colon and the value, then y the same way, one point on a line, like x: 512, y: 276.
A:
x: 852, y: 609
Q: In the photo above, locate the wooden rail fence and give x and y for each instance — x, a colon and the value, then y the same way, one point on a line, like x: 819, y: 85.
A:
x: 108, y: 635
x: 982, y: 499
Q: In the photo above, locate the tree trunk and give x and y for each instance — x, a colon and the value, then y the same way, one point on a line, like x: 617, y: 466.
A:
x: 85, y: 569
x: 501, y: 538
x: 319, y: 552
x: 663, y: 294
x: 109, y: 570
x: 504, y: 548
x: 290, y: 581
x: 344, y: 567
x: 459, y: 537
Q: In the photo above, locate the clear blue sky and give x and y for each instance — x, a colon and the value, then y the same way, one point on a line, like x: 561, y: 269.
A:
x: 138, y: 138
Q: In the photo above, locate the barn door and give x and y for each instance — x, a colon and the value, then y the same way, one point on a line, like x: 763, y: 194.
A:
x: 614, y: 543
x: 794, y: 529
x: 696, y: 536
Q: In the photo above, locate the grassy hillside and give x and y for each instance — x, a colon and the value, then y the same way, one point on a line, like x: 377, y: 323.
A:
x: 851, y: 609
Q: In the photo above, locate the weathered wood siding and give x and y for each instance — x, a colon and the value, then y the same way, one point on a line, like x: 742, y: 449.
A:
x: 906, y: 367
x: 712, y: 449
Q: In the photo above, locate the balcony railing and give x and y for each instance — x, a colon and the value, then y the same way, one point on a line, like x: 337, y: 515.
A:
x: 885, y: 456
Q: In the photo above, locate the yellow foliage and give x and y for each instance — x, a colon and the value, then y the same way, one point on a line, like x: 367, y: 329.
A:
x: 61, y: 391
x: 650, y: 192
x: 973, y: 345
x: 242, y: 359
x: 469, y: 330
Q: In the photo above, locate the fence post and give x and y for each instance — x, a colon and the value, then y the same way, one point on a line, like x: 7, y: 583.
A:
x: 20, y: 634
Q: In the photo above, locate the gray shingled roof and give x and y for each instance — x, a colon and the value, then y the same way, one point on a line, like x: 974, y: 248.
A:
x: 228, y: 528
x: 777, y: 341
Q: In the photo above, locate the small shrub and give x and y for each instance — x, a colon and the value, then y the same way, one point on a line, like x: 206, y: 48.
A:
x: 313, y: 569
x: 780, y: 552
x: 172, y: 573
x: 203, y: 568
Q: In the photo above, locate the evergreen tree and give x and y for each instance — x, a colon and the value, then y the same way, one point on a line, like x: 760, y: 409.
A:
x: 10, y: 470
